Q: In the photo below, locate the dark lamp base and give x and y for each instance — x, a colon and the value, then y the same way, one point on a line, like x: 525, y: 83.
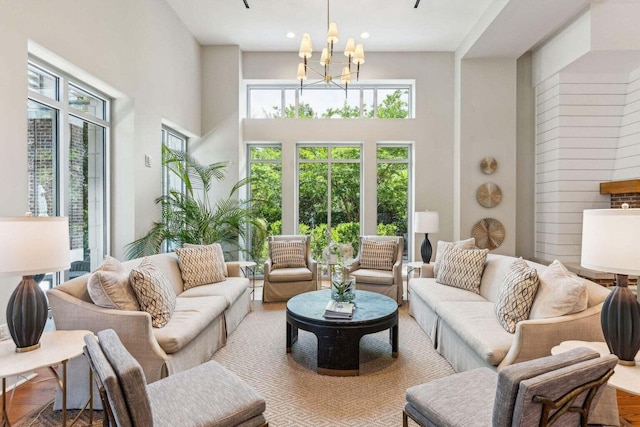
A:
x: 620, y: 319
x: 426, y: 250
x: 27, y: 313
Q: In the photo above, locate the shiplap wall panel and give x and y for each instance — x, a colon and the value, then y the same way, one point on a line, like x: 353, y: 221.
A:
x: 627, y: 165
x: 578, y: 125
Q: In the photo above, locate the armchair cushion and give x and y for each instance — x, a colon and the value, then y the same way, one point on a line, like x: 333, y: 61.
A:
x: 516, y: 296
x: 290, y: 275
x: 200, y: 265
x: 154, y: 292
x: 109, y: 286
x: 287, y: 254
x: 376, y: 277
x: 377, y: 255
x: 462, y: 268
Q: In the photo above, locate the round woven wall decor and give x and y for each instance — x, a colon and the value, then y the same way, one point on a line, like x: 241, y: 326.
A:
x: 489, y: 195
x: 488, y: 165
x: 489, y: 233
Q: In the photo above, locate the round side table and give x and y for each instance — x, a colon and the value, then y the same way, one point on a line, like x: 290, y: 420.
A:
x: 625, y: 378
x: 249, y: 267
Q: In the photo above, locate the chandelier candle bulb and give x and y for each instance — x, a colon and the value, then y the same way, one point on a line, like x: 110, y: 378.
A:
x: 350, y: 48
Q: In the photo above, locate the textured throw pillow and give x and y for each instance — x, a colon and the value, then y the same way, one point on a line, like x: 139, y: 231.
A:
x: 519, y: 287
x: 200, y: 265
x: 462, y: 268
x: 378, y: 254
x: 560, y: 292
x: 109, y: 286
x: 443, y: 247
x: 219, y: 255
x: 154, y: 292
x: 287, y: 254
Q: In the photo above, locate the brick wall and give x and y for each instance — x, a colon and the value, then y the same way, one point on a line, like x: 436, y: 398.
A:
x: 618, y: 199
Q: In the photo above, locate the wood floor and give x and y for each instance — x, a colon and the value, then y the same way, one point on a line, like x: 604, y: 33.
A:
x: 40, y: 390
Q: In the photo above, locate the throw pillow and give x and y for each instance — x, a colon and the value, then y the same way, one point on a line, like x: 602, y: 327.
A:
x: 287, y: 254
x: 462, y: 268
x: 219, y: 255
x: 154, y: 292
x: 560, y: 292
x: 443, y: 247
x: 519, y: 287
x: 109, y: 286
x: 200, y: 265
x: 377, y: 254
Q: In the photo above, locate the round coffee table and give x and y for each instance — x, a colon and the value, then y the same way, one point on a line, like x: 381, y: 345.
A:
x: 339, y: 339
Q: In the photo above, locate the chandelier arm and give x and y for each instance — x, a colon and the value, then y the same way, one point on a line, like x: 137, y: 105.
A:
x: 321, y: 75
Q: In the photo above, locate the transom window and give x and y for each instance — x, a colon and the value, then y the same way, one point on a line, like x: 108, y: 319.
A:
x: 392, y: 101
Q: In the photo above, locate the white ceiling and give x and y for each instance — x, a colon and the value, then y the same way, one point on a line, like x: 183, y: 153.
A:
x: 474, y: 28
x: 394, y: 25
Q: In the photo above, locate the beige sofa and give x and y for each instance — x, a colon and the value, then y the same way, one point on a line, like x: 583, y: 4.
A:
x: 203, y: 318
x: 465, y: 330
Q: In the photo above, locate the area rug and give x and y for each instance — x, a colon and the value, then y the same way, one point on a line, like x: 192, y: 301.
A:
x: 296, y: 395
x: 47, y: 417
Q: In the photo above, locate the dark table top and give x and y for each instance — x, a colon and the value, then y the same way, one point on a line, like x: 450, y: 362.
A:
x: 369, y: 306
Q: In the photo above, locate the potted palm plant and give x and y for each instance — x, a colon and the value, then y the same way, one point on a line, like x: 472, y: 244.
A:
x: 191, y: 217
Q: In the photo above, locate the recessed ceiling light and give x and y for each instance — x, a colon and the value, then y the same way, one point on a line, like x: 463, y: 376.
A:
x: 364, y: 35
x: 291, y: 34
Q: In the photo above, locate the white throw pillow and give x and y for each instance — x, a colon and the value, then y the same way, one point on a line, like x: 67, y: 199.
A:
x: 442, y: 248
x: 109, y: 286
x: 462, y: 268
x: 518, y: 289
x: 560, y: 292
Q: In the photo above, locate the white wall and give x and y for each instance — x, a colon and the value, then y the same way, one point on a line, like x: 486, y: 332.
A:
x: 137, y: 51
x: 488, y: 128
x: 431, y: 130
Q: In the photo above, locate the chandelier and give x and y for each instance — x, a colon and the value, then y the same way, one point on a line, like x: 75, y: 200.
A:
x: 354, y: 53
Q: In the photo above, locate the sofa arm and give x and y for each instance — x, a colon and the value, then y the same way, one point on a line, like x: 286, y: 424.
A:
x: 233, y: 268
x: 536, y: 338
x: 133, y: 327
x: 427, y: 271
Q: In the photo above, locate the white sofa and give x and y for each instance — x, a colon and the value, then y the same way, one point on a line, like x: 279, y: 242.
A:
x: 465, y: 330
x: 203, y: 318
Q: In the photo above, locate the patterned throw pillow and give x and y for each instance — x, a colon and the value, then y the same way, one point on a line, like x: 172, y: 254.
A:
x: 287, y: 254
x: 514, y: 302
x: 443, y: 247
x: 462, y: 268
x: 560, y: 292
x: 377, y: 255
x: 109, y: 286
x: 154, y: 292
x: 219, y: 254
x: 200, y: 265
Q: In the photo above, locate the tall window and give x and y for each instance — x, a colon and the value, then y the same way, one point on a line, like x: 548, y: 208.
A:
x: 329, y: 194
x: 68, y: 125
x: 389, y: 101
x: 265, y: 172
x: 175, y: 141
x: 393, y: 191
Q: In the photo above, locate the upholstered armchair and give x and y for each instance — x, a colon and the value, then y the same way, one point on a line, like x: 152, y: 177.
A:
x: 289, y: 270
x: 568, y: 389
x: 378, y: 266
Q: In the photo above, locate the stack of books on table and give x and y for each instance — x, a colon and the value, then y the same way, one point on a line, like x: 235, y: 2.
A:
x: 339, y: 310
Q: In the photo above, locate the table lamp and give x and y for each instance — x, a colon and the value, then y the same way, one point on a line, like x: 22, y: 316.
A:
x: 610, y: 240
x: 426, y: 222
x: 31, y: 245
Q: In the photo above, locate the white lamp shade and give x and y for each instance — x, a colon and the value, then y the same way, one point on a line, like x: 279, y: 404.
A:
x: 610, y: 239
x: 359, y: 54
x: 302, y: 72
x: 350, y: 48
x: 332, y: 33
x: 32, y: 245
x: 426, y: 222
